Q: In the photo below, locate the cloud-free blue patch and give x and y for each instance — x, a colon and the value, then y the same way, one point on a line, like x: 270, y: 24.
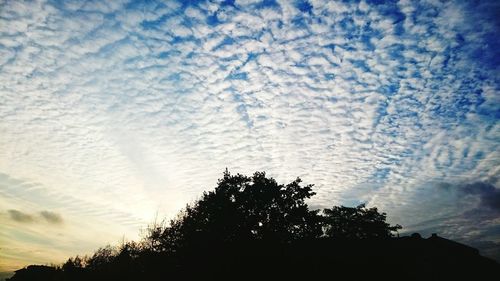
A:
x: 153, y: 24
x: 238, y: 76
x: 227, y: 3
x: 361, y: 64
x: 304, y: 6
x: 213, y: 20
x: 168, y: 54
x: 226, y: 42
x: 187, y: 3
x: 329, y: 76
x: 180, y: 39
x: 299, y: 22
x: 267, y: 4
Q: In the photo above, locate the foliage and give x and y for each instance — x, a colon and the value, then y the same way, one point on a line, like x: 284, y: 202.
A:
x: 243, y: 215
x: 244, y: 207
x: 358, y: 223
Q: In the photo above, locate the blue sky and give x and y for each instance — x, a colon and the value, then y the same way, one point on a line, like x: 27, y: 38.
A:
x: 113, y: 113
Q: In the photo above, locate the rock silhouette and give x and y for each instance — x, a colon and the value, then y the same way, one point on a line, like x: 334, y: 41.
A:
x: 252, y: 228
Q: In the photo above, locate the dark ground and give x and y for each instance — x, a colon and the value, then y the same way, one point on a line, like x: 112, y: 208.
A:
x: 405, y: 258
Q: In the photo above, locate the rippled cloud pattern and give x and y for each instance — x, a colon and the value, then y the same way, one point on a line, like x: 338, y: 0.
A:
x: 114, y: 111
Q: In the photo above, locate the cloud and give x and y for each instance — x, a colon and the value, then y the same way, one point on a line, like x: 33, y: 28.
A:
x: 48, y: 216
x: 489, y: 195
x: 20, y: 216
x: 52, y: 217
x: 466, y: 212
x: 115, y: 112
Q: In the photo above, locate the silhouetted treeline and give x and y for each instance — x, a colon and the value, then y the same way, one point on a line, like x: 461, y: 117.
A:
x: 252, y: 228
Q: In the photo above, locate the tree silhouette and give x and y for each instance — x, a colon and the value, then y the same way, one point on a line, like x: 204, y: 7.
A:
x: 251, y: 227
x: 357, y: 223
x: 242, y: 208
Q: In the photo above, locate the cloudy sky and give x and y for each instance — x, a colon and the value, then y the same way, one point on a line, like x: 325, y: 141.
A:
x: 113, y: 113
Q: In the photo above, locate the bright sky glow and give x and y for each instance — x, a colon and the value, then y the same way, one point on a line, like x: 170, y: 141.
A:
x: 114, y: 112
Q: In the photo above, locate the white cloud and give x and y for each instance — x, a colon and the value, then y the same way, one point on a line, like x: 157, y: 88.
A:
x: 115, y: 119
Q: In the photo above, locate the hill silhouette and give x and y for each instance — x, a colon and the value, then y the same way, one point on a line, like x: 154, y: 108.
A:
x: 252, y: 228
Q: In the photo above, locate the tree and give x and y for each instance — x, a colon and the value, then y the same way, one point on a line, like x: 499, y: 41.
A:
x: 251, y: 228
x: 102, y: 258
x: 73, y: 268
x: 356, y: 223
x: 242, y: 207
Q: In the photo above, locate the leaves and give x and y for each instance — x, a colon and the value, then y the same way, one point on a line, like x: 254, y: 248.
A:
x: 244, y: 207
x: 241, y: 210
x: 358, y: 223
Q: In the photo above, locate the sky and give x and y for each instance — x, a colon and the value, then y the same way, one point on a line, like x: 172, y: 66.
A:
x: 117, y: 113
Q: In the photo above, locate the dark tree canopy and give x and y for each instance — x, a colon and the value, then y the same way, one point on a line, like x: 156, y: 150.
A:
x: 251, y: 225
x: 244, y: 207
x: 357, y: 223
x: 257, y: 207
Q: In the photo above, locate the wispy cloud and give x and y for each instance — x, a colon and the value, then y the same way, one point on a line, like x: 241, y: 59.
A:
x: 20, y: 216
x: 116, y: 111
x: 52, y: 217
